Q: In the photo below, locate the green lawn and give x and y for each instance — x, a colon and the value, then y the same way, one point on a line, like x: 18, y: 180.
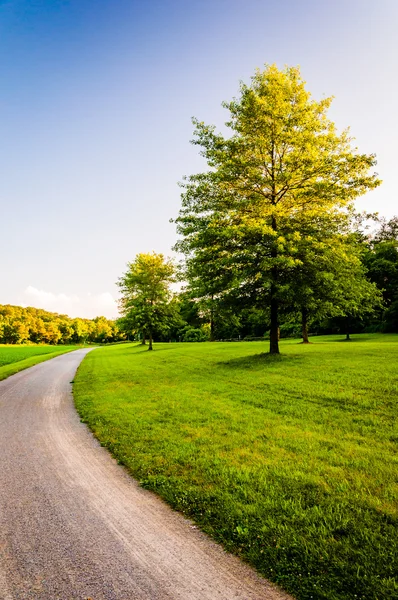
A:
x: 290, y: 461
x: 15, y: 358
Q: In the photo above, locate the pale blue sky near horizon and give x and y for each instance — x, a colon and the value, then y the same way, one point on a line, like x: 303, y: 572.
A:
x: 96, y: 100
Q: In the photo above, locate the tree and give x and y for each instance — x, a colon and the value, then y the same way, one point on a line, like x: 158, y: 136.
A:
x: 101, y: 330
x: 330, y: 279
x: 52, y: 333
x: 146, y: 295
x: 20, y: 325
x: 388, y: 230
x: 283, y: 168
x: 381, y: 261
x: 79, y: 330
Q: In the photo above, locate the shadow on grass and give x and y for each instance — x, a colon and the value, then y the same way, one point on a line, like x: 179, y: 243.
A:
x: 145, y: 348
x: 352, y: 339
x: 260, y: 361
x: 326, y: 339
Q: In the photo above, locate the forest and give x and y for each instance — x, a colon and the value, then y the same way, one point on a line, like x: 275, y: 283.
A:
x: 20, y: 325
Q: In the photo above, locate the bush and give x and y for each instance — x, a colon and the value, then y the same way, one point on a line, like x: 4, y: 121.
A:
x: 193, y: 334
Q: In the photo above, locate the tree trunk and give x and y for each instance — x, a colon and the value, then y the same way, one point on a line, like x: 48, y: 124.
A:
x: 274, y: 329
x: 143, y: 341
x: 304, y: 325
x: 347, y: 329
x: 274, y: 304
x: 212, y: 327
x: 150, y: 340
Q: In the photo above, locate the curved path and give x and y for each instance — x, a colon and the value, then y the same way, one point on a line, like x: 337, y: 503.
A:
x: 74, y: 525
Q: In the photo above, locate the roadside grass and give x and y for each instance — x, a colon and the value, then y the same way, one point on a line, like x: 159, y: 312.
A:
x: 16, y: 358
x: 289, y: 461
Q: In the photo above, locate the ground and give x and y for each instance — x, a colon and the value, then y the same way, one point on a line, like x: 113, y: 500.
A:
x: 14, y: 358
x: 289, y: 461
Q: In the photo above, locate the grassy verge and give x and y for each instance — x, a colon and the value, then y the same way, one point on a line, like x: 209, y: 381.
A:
x: 289, y: 461
x: 17, y: 358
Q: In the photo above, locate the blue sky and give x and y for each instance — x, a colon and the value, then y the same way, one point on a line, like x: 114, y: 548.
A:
x: 96, y: 100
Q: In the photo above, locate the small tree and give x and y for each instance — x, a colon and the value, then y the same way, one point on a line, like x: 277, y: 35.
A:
x: 146, y: 295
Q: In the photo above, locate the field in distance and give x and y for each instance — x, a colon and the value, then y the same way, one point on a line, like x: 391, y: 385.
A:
x: 14, y: 358
x: 289, y: 461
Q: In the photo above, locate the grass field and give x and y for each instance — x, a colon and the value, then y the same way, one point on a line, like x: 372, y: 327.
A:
x: 15, y: 358
x: 289, y: 461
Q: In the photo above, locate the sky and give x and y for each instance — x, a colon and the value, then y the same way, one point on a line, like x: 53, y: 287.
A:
x: 96, y: 101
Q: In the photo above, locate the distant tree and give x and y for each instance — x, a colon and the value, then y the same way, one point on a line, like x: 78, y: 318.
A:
x: 127, y: 326
x: 189, y: 310
x: 37, y: 330
x: 192, y: 334
x: 65, y: 328
x: 79, y: 330
x: 52, y: 333
x: 21, y: 325
x: 146, y: 294
x: 283, y: 166
x: 388, y: 230
x: 209, y: 281
x: 101, y: 330
x: 381, y: 260
x: 330, y: 277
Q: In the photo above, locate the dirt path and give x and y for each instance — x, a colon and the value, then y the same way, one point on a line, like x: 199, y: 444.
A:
x: 74, y: 525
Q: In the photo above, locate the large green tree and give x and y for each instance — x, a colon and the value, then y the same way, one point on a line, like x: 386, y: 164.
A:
x: 146, y: 295
x: 283, y: 167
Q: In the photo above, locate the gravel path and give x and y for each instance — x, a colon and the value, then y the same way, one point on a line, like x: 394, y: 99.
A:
x: 74, y: 525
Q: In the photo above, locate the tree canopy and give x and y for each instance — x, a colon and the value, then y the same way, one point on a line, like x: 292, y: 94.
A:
x: 381, y: 261
x: 19, y: 325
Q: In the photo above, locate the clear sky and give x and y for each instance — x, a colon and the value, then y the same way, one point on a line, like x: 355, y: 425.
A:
x: 96, y: 100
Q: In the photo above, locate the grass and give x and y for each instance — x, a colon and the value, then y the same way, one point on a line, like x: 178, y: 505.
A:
x: 288, y: 461
x: 16, y: 358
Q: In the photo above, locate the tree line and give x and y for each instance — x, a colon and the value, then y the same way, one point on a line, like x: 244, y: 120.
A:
x: 269, y: 233
x: 20, y: 325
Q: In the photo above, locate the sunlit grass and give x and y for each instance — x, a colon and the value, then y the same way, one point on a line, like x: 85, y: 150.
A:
x: 290, y: 461
x: 15, y: 358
